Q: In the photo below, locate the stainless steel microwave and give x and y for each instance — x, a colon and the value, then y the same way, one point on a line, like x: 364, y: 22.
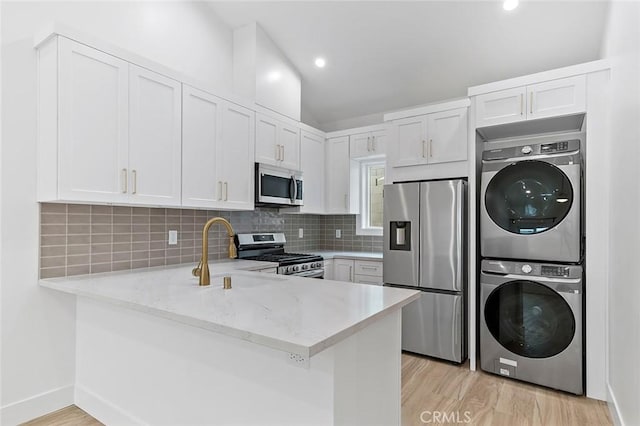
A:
x: 276, y: 186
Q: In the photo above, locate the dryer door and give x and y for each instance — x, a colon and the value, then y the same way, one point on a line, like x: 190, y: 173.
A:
x: 529, y: 197
x: 529, y: 319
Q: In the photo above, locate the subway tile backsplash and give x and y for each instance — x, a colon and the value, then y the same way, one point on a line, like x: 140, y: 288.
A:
x: 84, y: 239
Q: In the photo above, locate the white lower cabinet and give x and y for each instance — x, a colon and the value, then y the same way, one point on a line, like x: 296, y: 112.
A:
x: 357, y: 271
x: 343, y: 270
x: 217, y: 152
x: 328, y: 269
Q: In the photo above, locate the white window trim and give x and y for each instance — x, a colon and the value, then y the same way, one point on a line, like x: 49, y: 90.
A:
x: 361, y: 218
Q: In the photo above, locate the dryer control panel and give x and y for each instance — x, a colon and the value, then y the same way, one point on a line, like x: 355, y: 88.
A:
x: 532, y: 149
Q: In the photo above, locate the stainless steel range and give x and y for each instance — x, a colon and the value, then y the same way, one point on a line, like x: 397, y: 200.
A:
x: 269, y: 247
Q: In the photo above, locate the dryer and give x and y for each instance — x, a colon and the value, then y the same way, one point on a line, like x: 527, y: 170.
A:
x: 531, y: 323
x: 531, y: 197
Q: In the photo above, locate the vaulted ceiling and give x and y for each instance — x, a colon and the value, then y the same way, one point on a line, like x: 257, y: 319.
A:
x: 388, y: 55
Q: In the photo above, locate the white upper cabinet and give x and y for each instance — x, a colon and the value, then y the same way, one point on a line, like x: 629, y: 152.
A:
x: 447, y: 136
x: 312, y: 160
x: 439, y: 137
x: 92, y: 120
x: 369, y: 144
x: 557, y: 97
x: 155, y: 122
x: 411, y: 145
x: 108, y: 131
x: 338, y: 189
x: 277, y: 143
x: 235, y: 157
x: 548, y: 99
x: 505, y: 106
x: 215, y: 131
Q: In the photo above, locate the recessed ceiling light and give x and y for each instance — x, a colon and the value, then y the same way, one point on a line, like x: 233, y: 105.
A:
x: 320, y: 62
x: 510, y: 4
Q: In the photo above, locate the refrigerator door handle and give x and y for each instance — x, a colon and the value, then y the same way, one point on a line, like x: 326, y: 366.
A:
x: 459, y: 230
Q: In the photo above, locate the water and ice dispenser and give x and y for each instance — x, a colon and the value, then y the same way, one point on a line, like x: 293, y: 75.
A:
x: 400, y: 235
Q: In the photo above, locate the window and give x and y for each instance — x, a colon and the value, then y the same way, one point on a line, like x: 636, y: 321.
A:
x: 369, y: 221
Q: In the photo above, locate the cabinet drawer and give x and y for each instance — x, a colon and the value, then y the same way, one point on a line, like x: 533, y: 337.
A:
x: 369, y: 268
x: 367, y: 279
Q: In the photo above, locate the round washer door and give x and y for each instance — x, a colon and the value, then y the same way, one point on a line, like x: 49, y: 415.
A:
x: 528, y: 197
x: 529, y: 319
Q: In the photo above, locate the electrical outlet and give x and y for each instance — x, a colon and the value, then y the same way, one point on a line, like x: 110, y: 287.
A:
x: 338, y: 233
x: 300, y: 232
x: 173, y: 237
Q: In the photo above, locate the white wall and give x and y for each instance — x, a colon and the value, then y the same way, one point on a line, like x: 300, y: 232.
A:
x: 622, y: 47
x: 37, y: 338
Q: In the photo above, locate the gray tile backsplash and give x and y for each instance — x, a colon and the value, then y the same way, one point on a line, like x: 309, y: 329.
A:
x: 83, y: 239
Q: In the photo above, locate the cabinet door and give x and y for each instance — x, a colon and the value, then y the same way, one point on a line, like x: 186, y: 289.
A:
x: 313, y: 162
x: 379, y: 142
x: 338, y: 175
x: 343, y: 270
x: 289, y: 140
x: 371, y: 268
x: 93, y: 124
x: 235, y: 156
x: 328, y: 269
x: 505, y: 106
x: 411, y: 143
x: 201, y: 132
x: 447, y: 136
x: 360, y: 145
x: 557, y: 97
x: 155, y: 138
x: 268, y: 149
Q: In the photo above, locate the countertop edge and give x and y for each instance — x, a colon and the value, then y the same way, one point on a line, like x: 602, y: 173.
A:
x: 336, y: 338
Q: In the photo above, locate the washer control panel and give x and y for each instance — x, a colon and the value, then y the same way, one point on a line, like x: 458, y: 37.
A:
x: 568, y: 147
x: 548, y: 148
x: 554, y: 271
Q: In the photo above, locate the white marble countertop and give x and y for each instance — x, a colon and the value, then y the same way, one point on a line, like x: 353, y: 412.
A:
x: 357, y: 255
x: 297, y: 315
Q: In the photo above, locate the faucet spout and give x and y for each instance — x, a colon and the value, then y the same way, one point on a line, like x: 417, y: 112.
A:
x: 202, y: 270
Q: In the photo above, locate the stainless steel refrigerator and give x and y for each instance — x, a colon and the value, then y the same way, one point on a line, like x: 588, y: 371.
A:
x: 425, y: 249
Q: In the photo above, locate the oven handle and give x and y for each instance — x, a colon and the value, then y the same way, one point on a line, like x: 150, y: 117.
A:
x: 317, y: 273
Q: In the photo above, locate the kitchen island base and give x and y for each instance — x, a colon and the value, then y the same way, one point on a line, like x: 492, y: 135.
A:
x: 137, y: 368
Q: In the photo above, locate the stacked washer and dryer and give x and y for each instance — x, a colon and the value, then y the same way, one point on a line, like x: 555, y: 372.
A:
x: 531, y: 280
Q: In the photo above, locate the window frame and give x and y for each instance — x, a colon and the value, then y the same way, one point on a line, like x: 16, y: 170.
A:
x: 363, y: 218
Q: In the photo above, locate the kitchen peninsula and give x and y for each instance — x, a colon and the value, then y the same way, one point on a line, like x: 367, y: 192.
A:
x: 152, y: 347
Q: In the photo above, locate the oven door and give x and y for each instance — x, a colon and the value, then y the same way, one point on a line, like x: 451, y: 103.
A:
x: 278, y: 186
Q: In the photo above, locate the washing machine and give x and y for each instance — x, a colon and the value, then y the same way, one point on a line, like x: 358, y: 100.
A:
x: 531, y: 323
x: 531, y: 202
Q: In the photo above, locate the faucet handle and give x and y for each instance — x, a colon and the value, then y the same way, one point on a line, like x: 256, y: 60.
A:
x: 197, y: 270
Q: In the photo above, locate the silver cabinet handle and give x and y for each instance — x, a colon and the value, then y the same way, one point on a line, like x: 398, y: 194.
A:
x: 531, y: 104
x: 123, y: 178
x: 350, y: 273
x: 135, y: 181
x: 430, y: 148
x: 226, y: 191
x: 521, y: 103
x: 424, y: 143
x: 372, y: 268
x: 219, y: 190
x: 369, y: 143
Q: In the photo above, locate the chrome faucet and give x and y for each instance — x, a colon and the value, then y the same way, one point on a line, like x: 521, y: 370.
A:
x: 202, y: 270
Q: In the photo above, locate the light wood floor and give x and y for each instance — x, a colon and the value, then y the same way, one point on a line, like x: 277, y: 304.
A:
x: 443, y: 393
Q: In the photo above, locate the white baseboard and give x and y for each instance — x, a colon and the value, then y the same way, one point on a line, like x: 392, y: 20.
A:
x: 103, y: 410
x: 36, y: 406
x: 613, y: 407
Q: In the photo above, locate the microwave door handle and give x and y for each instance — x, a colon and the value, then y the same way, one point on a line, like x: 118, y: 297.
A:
x: 292, y: 189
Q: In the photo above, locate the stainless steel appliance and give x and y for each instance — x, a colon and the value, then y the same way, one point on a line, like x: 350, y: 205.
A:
x: 424, y: 249
x: 269, y: 247
x: 276, y: 186
x: 531, y: 322
x: 531, y: 202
